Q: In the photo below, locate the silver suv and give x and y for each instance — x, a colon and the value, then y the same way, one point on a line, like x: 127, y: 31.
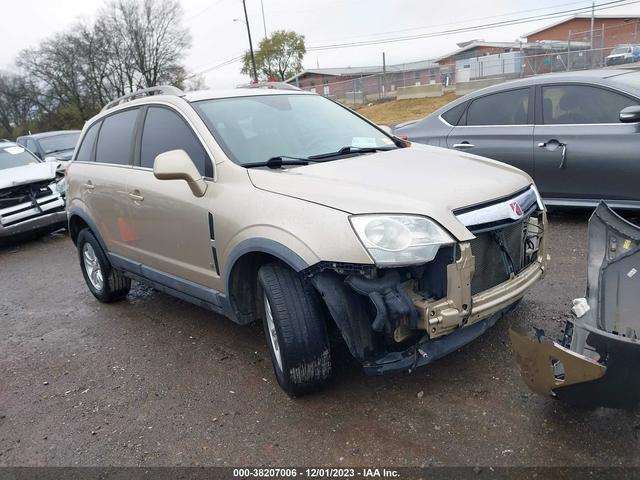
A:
x: 285, y: 207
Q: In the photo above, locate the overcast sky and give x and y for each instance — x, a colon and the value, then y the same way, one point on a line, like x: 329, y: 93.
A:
x: 217, y: 38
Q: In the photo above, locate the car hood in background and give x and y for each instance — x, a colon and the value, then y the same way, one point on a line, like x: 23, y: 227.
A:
x: 36, y: 172
x: 419, y: 180
x: 63, y: 155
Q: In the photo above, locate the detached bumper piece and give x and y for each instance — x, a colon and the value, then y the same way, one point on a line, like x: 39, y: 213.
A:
x: 597, y: 363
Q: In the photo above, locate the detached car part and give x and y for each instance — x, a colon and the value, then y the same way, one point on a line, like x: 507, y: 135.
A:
x: 597, y: 361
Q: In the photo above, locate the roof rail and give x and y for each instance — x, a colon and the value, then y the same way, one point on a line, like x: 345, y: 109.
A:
x: 159, y: 90
x: 274, y: 85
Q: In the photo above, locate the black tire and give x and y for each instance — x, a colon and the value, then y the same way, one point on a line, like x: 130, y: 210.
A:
x: 115, y: 286
x: 300, y: 328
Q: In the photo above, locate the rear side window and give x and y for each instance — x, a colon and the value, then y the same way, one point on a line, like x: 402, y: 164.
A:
x: 85, y: 152
x: 504, y: 108
x: 116, y: 137
x: 582, y: 104
x: 165, y: 130
x: 452, y: 116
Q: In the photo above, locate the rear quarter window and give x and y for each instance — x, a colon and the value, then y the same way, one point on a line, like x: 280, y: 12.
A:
x: 452, y: 116
x: 85, y: 152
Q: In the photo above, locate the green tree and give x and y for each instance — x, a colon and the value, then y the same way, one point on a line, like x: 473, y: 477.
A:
x: 278, y: 57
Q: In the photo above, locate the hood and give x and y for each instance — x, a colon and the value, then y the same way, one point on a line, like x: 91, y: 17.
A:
x: 420, y: 180
x: 36, y: 172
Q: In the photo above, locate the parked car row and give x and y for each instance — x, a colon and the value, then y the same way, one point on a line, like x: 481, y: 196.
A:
x: 577, y: 134
x: 284, y: 207
x: 51, y: 146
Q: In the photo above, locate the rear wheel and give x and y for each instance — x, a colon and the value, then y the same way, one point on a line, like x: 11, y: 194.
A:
x: 106, y: 283
x: 295, y: 327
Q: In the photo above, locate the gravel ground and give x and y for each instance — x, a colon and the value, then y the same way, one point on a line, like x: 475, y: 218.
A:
x: 156, y: 381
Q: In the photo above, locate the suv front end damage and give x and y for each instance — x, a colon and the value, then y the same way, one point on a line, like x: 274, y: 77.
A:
x: 395, y: 319
x: 596, y: 363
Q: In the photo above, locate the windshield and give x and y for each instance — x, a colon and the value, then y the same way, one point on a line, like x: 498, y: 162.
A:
x: 58, y: 143
x: 257, y: 128
x: 15, y: 156
x: 620, y: 50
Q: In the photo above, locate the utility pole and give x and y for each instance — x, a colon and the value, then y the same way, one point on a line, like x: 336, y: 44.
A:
x: 253, y: 58
x: 264, y: 23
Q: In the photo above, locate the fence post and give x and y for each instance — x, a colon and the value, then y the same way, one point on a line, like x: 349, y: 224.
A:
x: 569, y: 51
x: 602, y: 47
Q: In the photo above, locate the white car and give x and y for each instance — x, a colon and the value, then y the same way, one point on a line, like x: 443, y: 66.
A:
x: 31, y: 192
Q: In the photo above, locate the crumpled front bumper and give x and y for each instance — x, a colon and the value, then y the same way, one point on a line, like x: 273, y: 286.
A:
x: 598, y: 360
x: 460, y: 317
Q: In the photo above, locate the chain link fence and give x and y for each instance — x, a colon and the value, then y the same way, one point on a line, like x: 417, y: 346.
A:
x: 580, y: 51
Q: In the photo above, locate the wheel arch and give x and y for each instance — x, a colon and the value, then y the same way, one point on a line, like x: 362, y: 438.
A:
x: 78, y: 220
x: 241, y: 278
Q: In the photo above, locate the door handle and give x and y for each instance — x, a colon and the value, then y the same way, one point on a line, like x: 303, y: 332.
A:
x: 135, y: 196
x: 552, y: 146
x: 463, y: 145
x: 89, y: 185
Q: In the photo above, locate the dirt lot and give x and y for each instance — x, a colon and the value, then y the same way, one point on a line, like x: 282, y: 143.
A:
x: 156, y: 381
x: 398, y: 111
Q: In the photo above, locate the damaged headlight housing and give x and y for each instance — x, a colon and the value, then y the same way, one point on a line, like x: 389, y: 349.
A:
x: 396, y: 240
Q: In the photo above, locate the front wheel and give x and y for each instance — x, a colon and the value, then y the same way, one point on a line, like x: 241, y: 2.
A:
x: 296, y: 331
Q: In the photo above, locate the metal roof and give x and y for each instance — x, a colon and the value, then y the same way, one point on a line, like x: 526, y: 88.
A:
x: 475, y: 44
x: 367, y: 70
x: 580, y: 16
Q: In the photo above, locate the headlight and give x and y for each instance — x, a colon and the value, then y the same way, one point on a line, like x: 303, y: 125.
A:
x: 395, y: 240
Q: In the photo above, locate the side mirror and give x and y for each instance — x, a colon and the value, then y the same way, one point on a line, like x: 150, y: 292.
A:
x: 386, y: 129
x: 177, y: 165
x: 630, y: 114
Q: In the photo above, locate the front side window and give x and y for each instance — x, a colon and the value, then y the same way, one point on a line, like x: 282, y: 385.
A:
x: 116, y: 138
x: 504, y: 108
x: 59, y: 143
x: 32, y: 146
x: 165, y: 130
x: 582, y: 104
x: 12, y: 156
x: 257, y: 128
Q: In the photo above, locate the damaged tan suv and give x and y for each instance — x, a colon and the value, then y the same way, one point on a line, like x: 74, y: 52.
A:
x: 285, y: 207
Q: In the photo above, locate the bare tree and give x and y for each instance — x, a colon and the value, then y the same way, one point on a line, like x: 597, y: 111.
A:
x: 67, y: 78
x: 154, y: 42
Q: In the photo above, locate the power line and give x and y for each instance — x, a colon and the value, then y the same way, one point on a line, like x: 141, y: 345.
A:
x: 465, y: 21
x: 518, y: 21
x: 217, y: 66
